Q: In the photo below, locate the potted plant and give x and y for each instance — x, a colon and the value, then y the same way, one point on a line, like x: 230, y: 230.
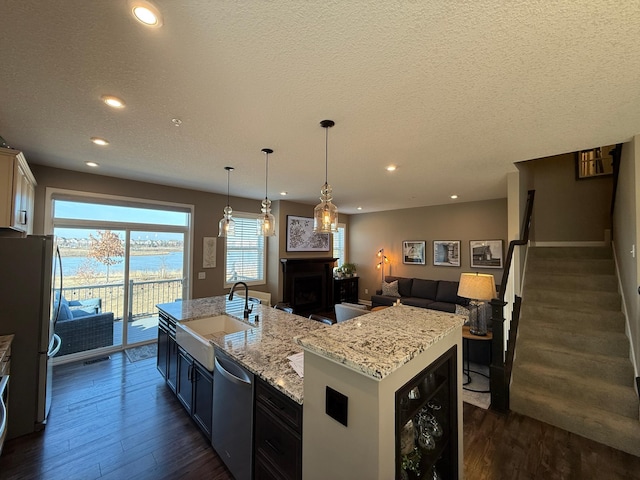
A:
x: 348, y: 269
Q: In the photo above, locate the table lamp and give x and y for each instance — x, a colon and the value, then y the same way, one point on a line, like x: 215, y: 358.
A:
x: 477, y: 287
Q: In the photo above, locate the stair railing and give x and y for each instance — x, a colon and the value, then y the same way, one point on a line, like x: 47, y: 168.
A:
x: 500, y: 369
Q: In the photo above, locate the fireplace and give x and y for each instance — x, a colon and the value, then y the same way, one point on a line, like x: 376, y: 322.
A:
x: 307, y: 284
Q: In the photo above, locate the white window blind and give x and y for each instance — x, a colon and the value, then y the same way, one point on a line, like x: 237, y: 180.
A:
x: 244, y: 253
x: 339, y: 249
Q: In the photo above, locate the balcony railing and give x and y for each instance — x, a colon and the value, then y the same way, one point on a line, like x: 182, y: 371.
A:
x: 143, y: 296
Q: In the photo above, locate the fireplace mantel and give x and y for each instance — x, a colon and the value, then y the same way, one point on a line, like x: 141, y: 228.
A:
x: 307, y: 283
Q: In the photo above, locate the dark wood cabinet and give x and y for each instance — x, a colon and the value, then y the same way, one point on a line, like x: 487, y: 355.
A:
x: 278, y: 435
x: 194, y: 389
x: 184, y: 386
x: 427, y: 422
x: 167, y: 361
x: 202, y: 406
x: 163, y: 353
x: 345, y: 290
x: 190, y: 381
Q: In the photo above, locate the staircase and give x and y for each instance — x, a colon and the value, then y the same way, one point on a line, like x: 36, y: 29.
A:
x: 572, y: 366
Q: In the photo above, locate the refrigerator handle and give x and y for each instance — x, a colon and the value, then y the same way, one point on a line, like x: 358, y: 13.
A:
x: 59, y: 261
x: 57, y: 343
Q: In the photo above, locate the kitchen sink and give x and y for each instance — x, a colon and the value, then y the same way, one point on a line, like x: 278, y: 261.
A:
x: 194, y: 335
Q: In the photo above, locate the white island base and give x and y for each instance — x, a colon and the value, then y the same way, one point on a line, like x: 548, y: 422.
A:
x: 366, y: 447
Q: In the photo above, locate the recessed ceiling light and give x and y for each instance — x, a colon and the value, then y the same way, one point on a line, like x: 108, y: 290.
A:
x: 453, y: 197
x: 99, y: 141
x: 146, y: 13
x: 391, y: 168
x: 112, y: 101
x: 176, y: 122
x: 284, y: 194
x: 359, y: 208
x: 92, y: 164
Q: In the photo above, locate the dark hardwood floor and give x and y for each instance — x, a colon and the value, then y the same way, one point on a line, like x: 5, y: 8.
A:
x: 117, y: 420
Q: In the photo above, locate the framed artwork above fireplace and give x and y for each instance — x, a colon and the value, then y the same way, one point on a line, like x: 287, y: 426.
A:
x: 300, y: 236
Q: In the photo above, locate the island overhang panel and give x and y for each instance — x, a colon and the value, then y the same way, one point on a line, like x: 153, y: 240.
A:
x: 366, y: 361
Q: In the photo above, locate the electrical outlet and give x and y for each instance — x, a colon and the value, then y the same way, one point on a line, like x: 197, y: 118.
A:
x: 202, y: 275
x: 366, y: 290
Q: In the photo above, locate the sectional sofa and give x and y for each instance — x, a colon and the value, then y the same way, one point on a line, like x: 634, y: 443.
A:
x: 418, y: 292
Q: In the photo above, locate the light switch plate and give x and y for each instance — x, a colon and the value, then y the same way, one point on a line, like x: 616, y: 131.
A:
x: 202, y: 275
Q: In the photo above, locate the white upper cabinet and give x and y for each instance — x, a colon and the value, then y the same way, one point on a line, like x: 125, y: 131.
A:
x: 17, y: 191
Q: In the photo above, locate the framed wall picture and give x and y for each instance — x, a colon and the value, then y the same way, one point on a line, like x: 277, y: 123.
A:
x: 486, y: 253
x: 300, y: 236
x: 446, y: 253
x: 209, y: 252
x: 414, y: 252
x: 596, y: 162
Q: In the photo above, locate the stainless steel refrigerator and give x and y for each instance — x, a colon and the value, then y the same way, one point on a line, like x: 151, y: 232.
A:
x: 27, y: 269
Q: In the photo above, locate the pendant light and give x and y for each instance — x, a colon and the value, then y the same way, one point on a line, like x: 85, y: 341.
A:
x: 266, y: 221
x: 325, y: 215
x: 227, y: 227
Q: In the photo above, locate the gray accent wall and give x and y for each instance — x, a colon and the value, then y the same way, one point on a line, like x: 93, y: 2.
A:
x: 566, y: 209
x: 464, y: 221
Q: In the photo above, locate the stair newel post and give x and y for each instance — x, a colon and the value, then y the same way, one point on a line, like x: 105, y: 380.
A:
x: 498, y: 377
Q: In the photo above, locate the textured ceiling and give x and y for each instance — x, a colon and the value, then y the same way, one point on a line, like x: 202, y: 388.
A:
x: 452, y: 92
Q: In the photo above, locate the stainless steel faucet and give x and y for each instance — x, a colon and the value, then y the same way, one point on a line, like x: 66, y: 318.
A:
x: 247, y: 310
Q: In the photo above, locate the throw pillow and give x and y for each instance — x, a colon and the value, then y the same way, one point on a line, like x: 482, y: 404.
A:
x: 460, y: 310
x: 390, y: 289
x: 65, y: 311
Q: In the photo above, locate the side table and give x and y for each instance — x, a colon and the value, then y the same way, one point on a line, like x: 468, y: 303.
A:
x: 466, y: 336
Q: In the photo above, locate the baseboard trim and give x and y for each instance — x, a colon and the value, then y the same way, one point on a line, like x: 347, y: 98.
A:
x: 627, y: 326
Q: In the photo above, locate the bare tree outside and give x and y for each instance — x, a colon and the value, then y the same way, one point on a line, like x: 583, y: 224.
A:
x: 87, y: 271
x: 106, y: 248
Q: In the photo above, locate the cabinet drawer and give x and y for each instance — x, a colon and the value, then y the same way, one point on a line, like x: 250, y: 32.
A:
x: 280, y: 405
x: 281, y: 446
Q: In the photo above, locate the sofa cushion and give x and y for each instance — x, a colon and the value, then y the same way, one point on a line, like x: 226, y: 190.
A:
x: 404, y: 284
x: 448, y: 292
x: 442, y: 306
x: 417, y: 302
x: 377, y: 300
x: 390, y: 289
x: 422, y: 288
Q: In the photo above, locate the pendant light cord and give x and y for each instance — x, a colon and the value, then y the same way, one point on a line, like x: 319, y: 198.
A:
x: 266, y: 176
x: 326, y: 155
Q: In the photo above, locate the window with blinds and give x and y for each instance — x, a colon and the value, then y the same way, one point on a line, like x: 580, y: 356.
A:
x: 244, y: 252
x: 339, y: 249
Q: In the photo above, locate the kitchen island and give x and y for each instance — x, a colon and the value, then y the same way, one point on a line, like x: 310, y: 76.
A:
x: 381, y: 351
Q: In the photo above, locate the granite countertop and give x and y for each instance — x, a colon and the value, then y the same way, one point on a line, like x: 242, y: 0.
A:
x: 263, y: 349
x: 379, y: 343
x: 5, y: 346
x: 375, y: 344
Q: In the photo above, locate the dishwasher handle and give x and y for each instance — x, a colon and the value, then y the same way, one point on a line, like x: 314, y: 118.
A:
x: 245, y: 379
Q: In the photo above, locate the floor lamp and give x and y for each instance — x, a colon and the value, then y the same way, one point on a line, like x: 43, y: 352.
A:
x: 383, y: 259
x: 477, y: 287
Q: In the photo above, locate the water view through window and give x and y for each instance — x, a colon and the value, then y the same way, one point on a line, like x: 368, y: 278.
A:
x: 115, y: 277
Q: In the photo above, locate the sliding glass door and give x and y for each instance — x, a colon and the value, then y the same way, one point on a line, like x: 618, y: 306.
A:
x: 156, y: 275
x: 118, y: 263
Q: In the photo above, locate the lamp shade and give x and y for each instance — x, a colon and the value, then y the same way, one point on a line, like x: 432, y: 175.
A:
x: 477, y: 286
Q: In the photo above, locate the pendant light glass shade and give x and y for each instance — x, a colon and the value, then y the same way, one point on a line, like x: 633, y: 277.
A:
x: 266, y: 221
x: 226, y: 226
x: 325, y: 215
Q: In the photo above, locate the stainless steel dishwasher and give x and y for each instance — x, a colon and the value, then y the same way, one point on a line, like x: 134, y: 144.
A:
x: 231, y: 434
